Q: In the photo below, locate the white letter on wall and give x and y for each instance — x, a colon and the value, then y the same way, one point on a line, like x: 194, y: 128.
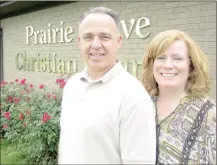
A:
x: 29, y: 33
x: 68, y: 31
x: 132, y: 21
x: 138, y: 27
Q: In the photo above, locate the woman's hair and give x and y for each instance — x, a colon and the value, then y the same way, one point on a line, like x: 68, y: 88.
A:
x: 198, y: 83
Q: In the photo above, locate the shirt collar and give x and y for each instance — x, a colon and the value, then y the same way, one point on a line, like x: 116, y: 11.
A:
x: 115, y: 70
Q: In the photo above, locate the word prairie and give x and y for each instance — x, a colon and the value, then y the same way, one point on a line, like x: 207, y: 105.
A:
x: 50, y: 36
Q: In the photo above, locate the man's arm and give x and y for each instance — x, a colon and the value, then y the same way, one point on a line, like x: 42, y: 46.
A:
x: 61, y: 139
x: 63, y: 152
x: 138, y: 134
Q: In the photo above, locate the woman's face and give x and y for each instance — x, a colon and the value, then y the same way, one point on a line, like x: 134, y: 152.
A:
x: 171, y: 68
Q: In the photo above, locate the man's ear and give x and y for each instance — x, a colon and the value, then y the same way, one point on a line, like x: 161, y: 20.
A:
x: 78, y: 41
x: 120, y: 39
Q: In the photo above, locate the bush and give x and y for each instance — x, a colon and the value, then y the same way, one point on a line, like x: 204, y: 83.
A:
x: 30, y: 118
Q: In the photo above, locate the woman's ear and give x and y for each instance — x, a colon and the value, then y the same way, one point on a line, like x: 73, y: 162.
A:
x: 191, y: 67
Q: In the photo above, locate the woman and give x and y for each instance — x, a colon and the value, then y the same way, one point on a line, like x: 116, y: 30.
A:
x: 176, y: 76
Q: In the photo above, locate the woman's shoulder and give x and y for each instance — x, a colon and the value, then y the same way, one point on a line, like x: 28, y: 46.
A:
x: 209, y: 104
x: 200, y: 101
x: 211, y: 117
x: 211, y: 100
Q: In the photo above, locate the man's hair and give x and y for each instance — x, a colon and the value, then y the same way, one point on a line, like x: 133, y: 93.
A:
x: 198, y: 83
x: 103, y: 10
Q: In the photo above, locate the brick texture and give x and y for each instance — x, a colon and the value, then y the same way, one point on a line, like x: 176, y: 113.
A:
x: 196, y: 18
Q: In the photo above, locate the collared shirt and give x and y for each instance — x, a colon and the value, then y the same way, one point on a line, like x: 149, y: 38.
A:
x: 107, y: 121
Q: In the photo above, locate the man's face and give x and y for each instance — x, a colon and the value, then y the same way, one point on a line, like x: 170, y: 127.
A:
x: 99, y: 40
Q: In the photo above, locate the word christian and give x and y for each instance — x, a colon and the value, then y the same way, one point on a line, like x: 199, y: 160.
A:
x: 52, y: 64
x: 64, y: 34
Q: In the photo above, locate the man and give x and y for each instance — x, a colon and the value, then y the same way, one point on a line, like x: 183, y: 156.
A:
x: 107, y: 116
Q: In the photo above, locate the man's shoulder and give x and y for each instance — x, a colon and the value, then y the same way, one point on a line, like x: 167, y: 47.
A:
x: 74, y: 79
x: 132, y: 86
x: 131, y: 80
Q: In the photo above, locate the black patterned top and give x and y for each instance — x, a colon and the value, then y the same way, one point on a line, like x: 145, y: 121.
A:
x: 174, y: 130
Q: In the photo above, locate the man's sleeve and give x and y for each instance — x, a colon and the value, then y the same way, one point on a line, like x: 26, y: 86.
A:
x: 63, y: 144
x: 138, y: 134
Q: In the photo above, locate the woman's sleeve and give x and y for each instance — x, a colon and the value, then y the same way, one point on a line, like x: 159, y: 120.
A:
x: 211, y: 134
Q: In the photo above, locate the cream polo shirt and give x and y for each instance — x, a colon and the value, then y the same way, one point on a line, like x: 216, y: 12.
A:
x: 107, y: 121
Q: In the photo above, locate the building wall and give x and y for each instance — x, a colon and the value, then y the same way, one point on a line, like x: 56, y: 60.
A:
x: 196, y: 18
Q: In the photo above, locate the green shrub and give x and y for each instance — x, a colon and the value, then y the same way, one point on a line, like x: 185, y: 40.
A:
x: 30, y: 119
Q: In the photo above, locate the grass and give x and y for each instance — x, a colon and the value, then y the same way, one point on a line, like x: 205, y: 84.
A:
x: 10, y: 154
